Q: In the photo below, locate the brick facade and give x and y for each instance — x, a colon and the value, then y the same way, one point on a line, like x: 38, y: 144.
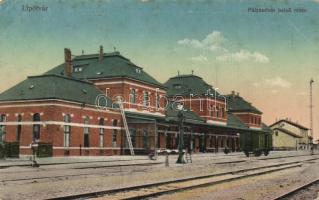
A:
x: 84, y: 134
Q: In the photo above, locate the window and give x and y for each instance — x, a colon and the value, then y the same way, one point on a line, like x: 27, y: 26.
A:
x: 146, y: 99
x: 78, y: 69
x: 133, y: 96
x: 158, y: 101
x: 211, y: 110
x: 86, y: 132
x: 114, y: 133
x: 101, y: 132
x: 276, y: 133
x: 177, y: 86
x: 19, y: 127
x: 217, y: 112
x: 132, y: 134
x: 145, y: 139
x: 222, y: 110
x: 67, y: 130
x: 36, y: 127
x: 3, y: 118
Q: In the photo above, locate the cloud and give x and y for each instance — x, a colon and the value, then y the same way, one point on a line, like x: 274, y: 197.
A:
x: 242, y: 56
x: 199, y: 58
x: 212, y: 41
x: 277, y: 82
x: 215, y: 41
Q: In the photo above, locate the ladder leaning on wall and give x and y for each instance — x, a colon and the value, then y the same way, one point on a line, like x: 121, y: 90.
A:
x: 127, y: 131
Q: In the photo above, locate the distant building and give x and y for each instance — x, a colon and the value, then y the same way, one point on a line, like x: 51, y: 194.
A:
x: 288, y: 135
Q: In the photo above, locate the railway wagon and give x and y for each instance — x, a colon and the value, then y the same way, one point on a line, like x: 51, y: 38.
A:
x: 257, y: 143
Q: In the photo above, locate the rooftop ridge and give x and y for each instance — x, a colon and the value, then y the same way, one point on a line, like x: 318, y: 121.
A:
x: 186, y: 76
x: 290, y: 122
x: 96, y: 55
x: 60, y: 76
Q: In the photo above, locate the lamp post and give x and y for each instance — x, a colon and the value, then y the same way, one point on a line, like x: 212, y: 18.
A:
x: 180, y: 117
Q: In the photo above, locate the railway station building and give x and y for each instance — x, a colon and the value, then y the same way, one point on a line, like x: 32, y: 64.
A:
x: 289, y: 135
x: 80, y: 108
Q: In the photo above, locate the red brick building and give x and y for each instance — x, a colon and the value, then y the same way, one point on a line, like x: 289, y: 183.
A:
x: 74, y: 109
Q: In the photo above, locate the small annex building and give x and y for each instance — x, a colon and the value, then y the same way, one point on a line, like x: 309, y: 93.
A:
x: 288, y: 135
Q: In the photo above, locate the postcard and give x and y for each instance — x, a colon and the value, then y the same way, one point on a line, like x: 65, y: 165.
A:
x: 159, y: 99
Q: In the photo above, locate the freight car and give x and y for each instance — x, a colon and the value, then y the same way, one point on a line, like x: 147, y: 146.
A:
x: 256, y: 142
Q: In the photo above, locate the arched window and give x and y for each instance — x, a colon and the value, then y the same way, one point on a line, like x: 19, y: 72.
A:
x: 86, y: 132
x: 146, y: 100
x: 210, y: 110
x: 3, y: 118
x: 19, y: 127
x: 158, y: 101
x: 101, y: 133
x: 67, y: 130
x: 114, y: 133
x: 36, y: 127
x: 133, y: 96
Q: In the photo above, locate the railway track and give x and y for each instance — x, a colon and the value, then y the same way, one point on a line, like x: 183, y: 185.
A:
x: 166, y: 187
x: 79, y: 174
x: 278, y: 157
x: 296, y: 190
x: 28, y: 164
x: 108, y: 166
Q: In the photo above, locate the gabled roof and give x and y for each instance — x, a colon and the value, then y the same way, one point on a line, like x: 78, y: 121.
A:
x: 236, y: 103
x: 185, y: 85
x: 113, y: 65
x: 288, y: 132
x: 52, y: 87
x: 290, y: 122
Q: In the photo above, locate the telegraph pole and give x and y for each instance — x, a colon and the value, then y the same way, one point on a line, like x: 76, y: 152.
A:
x: 311, y: 117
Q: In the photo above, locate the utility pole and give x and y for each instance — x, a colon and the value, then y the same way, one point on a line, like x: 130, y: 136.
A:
x: 311, y: 117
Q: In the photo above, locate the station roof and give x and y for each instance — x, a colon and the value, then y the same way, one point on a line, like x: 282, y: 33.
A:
x: 188, y: 84
x: 234, y: 122
x: 52, y: 87
x: 113, y: 65
x: 265, y: 128
x: 236, y: 103
x: 288, y: 132
x: 189, y: 116
x: 292, y: 123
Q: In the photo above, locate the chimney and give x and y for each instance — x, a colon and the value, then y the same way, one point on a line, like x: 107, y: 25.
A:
x: 101, y: 56
x: 68, y: 68
x: 233, y: 94
x: 238, y: 94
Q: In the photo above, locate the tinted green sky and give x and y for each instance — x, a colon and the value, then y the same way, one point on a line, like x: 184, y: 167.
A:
x: 268, y: 57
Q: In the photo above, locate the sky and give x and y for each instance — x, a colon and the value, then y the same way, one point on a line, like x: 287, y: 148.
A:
x: 268, y: 57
